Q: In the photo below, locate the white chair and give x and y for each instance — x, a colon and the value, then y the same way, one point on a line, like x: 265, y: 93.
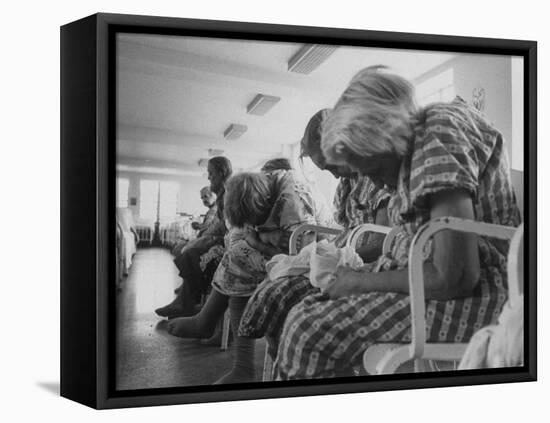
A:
x: 386, y: 358
x: 352, y: 241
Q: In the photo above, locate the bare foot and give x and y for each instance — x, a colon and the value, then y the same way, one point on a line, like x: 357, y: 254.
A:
x: 177, y: 327
x: 187, y: 327
x: 174, y: 308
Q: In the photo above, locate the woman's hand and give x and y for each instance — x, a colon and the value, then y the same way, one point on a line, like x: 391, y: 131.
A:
x: 252, y: 239
x: 346, y: 282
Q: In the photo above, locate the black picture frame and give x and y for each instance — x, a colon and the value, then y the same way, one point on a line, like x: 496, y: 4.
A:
x: 88, y: 198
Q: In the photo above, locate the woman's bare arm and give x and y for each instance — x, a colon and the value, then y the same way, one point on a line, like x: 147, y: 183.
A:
x: 372, y: 249
x: 453, y: 272
x: 255, y: 242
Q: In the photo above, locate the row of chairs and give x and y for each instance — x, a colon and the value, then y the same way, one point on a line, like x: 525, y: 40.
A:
x: 386, y: 358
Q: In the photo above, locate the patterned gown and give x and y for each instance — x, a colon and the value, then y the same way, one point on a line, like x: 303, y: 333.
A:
x: 357, y: 200
x: 242, y: 267
x: 454, y: 147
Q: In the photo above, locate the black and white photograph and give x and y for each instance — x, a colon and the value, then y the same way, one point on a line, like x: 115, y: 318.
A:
x: 303, y: 211
x: 288, y: 211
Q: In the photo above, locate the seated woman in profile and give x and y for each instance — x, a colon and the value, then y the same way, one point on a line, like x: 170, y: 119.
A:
x: 262, y: 210
x: 357, y: 200
x: 443, y: 160
x: 208, y: 199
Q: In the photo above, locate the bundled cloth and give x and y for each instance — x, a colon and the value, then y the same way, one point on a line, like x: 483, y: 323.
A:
x: 317, y: 261
x: 499, y: 345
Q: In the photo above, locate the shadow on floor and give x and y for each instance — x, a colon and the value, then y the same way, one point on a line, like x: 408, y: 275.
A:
x: 51, y: 387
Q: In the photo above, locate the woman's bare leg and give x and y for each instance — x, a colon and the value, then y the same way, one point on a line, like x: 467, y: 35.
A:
x: 243, y: 348
x: 201, y: 325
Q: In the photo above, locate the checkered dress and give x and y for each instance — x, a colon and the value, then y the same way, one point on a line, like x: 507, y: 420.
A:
x: 454, y: 148
x: 358, y: 201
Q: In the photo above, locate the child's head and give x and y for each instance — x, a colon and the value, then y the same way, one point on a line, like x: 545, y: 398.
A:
x: 247, y: 199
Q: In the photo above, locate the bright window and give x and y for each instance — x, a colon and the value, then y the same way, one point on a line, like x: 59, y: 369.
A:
x: 437, y: 88
x: 168, y: 199
x: 122, y: 185
x: 158, y: 198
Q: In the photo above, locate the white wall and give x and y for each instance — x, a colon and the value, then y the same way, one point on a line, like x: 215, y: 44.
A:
x: 493, y: 73
x: 517, y: 113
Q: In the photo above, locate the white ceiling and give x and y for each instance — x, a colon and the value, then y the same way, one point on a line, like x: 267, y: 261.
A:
x: 176, y: 95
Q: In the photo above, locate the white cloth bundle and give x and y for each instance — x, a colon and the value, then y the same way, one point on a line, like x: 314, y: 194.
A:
x: 326, y: 258
x: 317, y: 260
x: 499, y: 345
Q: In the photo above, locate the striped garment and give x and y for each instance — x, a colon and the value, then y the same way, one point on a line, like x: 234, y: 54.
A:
x: 265, y: 314
x: 454, y: 147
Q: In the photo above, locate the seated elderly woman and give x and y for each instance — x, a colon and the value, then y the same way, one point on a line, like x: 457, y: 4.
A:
x: 443, y: 160
x: 262, y: 210
x: 208, y: 199
x: 357, y: 200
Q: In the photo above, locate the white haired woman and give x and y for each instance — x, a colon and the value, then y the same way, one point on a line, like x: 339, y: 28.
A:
x: 443, y: 160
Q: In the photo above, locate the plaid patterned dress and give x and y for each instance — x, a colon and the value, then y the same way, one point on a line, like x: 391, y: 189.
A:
x: 454, y: 148
x: 357, y: 200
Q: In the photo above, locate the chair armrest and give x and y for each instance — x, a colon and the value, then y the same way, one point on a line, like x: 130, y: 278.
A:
x: 306, y: 227
x: 390, y: 236
x: 416, y: 268
x: 515, y: 267
x: 365, y: 227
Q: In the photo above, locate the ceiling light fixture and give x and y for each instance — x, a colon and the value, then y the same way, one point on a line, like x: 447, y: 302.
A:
x: 309, y: 57
x: 261, y: 104
x: 234, y: 131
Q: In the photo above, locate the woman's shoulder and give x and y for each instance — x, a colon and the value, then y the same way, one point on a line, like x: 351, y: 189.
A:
x: 455, y: 128
x: 456, y: 116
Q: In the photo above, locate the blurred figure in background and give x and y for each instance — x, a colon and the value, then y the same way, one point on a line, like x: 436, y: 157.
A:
x: 209, y: 200
x: 280, y: 163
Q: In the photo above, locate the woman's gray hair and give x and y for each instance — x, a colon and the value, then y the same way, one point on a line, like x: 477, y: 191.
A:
x: 247, y: 199
x: 371, y: 117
